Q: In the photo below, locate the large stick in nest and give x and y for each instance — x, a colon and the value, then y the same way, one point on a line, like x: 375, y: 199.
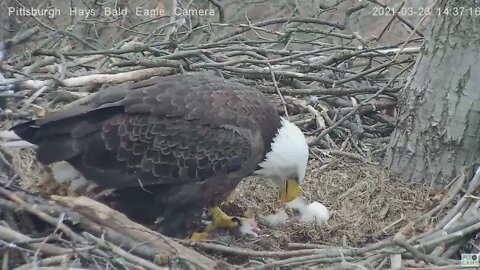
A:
x: 107, y: 217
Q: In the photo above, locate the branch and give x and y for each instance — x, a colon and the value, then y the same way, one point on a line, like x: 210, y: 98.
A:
x: 117, y: 221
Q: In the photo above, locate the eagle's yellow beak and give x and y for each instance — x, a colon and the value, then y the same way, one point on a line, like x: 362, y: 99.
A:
x: 289, y: 190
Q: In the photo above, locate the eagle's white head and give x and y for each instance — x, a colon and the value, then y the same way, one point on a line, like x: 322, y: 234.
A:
x: 286, y: 162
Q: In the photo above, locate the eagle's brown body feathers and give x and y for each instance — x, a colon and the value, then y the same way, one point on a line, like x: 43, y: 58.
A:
x: 169, y: 146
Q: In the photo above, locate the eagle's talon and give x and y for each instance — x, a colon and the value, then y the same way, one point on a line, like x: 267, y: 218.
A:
x: 224, y: 221
x: 237, y: 220
x: 220, y: 221
x: 199, y: 236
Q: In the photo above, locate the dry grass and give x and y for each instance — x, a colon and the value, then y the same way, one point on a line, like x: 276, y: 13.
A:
x: 30, y: 172
x: 366, y: 203
x: 33, y: 176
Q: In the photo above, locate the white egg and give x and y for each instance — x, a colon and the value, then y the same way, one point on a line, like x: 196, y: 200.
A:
x: 315, y: 212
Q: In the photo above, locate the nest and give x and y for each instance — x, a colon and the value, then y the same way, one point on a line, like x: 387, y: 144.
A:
x: 366, y: 203
x: 372, y: 215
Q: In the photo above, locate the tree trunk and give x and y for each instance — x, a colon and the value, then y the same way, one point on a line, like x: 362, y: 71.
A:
x: 438, y: 124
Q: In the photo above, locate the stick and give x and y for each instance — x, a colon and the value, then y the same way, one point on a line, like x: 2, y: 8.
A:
x: 103, y: 78
x: 117, y: 221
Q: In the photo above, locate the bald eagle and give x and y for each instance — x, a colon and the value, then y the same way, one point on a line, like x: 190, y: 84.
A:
x: 172, y: 146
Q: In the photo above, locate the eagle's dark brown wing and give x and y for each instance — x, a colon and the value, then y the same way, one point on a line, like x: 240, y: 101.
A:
x: 169, y: 130
x: 132, y: 150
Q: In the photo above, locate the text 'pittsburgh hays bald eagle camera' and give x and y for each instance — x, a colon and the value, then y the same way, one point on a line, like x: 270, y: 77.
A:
x: 171, y: 146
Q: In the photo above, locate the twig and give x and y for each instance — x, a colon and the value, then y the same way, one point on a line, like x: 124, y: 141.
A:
x: 119, y: 222
x: 251, y: 253
x: 316, y: 139
x: 419, y: 255
x: 278, y: 91
x: 32, y: 210
x: 221, y: 11
x: 414, y: 29
x: 120, y: 252
x: 19, y: 38
x: 104, y: 78
x: 11, y: 236
x: 277, y: 21
x: 45, y: 262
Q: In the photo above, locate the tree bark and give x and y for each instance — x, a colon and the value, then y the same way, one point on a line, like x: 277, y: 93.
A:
x: 439, y: 110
